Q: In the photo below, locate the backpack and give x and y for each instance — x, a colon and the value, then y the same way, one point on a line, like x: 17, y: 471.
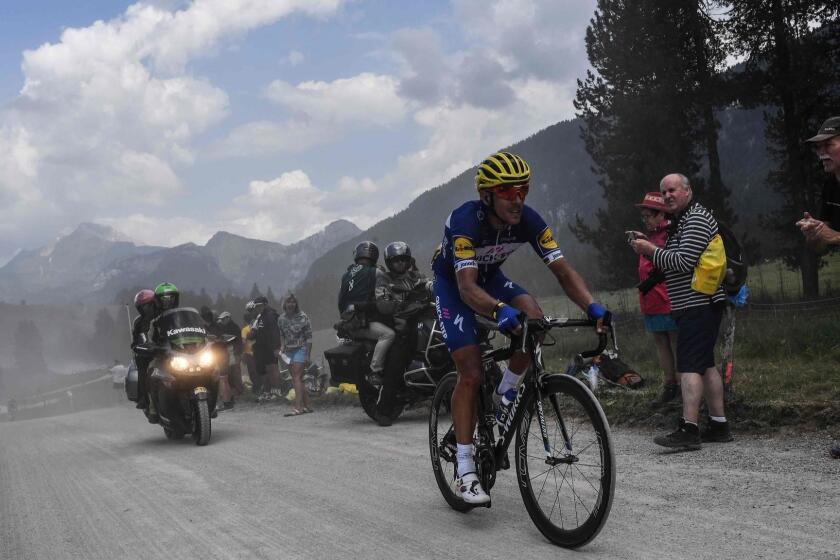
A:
x: 736, y: 267
x: 721, y: 264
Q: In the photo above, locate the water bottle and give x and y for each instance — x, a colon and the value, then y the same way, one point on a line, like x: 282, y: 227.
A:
x: 592, y: 375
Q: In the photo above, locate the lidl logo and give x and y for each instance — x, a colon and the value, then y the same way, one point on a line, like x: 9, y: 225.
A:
x: 547, y: 240
x: 463, y: 248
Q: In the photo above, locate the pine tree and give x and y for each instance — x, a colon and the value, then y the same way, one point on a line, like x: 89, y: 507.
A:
x: 269, y: 295
x: 791, y: 51
x: 255, y: 292
x: 641, y: 115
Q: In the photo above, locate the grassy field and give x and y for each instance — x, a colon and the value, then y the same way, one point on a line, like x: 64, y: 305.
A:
x: 787, y: 355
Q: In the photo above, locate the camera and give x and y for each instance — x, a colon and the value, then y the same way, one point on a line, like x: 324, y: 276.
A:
x: 631, y: 236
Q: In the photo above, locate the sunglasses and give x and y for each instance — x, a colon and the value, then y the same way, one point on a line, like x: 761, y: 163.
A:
x: 511, y: 192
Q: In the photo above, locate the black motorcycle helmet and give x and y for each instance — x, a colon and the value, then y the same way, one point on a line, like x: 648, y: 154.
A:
x: 366, y: 250
x: 398, y: 257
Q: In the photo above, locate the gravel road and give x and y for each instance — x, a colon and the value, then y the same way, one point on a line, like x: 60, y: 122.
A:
x: 104, y: 484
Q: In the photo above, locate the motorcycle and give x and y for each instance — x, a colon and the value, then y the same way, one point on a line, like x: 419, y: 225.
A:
x: 416, y: 363
x: 183, y: 373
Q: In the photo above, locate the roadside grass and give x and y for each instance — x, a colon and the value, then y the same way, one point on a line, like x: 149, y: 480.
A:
x: 786, y: 371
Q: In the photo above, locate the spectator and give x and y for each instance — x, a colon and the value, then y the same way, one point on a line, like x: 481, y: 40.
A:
x: 233, y: 380
x: 653, y: 297
x: 697, y: 315
x: 823, y: 233
x: 356, y: 299
x: 266, y: 343
x: 296, y: 343
x: 248, y: 348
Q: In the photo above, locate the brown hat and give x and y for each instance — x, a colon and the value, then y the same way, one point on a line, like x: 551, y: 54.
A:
x: 654, y: 201
x: 829, y: 129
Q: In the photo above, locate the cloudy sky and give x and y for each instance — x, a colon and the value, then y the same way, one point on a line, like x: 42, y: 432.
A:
x: 172, y: 119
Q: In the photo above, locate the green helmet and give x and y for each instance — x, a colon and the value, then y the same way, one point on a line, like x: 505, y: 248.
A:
x: 166, y: 296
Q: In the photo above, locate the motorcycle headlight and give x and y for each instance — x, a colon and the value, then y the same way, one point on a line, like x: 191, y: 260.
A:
x: 206, y: 359
x: 179, y: 363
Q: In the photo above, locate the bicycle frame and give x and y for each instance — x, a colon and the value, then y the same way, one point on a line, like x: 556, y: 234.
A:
x: 530, y: 343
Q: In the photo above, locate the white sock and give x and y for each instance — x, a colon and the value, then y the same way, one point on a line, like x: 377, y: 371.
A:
x: 717, y: 418
x: 509, y: 381
x: 466, y: 463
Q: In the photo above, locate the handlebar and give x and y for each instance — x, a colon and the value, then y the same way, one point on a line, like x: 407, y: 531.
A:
x: 545, y: 324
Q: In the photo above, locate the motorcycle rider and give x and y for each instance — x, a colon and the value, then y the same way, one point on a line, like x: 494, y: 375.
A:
x: 166, y: 297
x: 356, y: 302
x: 144, y: 303
x: 398, y: 285
x: 265, y: 335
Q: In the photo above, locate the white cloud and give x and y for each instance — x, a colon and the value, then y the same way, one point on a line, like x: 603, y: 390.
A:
x: 322, y: 112
x: 363, y: 99
x: 289, y: 207
x: 108, y: 114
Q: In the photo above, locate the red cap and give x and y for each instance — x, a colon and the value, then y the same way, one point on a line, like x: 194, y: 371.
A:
x: 654, y: 201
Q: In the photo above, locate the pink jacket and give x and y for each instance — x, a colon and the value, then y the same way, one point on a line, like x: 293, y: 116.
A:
x: 656, y: 301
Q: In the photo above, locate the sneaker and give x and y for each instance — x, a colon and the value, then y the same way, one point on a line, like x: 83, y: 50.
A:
x: 835, y: 450
x: 685, y: 436
x: 469, y: 489
x: 717, y: 432
x: 504, y: 404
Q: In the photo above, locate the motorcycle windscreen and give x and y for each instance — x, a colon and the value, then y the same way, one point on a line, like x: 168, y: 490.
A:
x: 182, y: 328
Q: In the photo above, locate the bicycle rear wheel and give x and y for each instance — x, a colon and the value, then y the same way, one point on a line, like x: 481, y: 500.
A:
x: 442, y: 442
x: 568, y: 492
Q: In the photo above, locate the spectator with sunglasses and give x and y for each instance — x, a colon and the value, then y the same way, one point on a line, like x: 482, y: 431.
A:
x: 478, y: 237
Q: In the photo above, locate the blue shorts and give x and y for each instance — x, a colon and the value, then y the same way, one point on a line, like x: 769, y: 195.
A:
x: 660, y: 323
x: 296, y: 355
x: 457, y: 319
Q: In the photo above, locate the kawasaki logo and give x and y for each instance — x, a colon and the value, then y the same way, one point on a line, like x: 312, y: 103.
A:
x: 182, y: 330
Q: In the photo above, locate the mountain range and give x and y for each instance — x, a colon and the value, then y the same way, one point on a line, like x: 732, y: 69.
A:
x: 93, y: 263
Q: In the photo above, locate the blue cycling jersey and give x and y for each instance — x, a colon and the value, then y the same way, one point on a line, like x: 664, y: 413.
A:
x: 469, y: 241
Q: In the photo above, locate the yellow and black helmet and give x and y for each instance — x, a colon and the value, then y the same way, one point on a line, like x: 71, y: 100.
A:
x: 502, y: 168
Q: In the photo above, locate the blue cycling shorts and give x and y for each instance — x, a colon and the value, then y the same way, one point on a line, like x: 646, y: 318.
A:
x: 456, y: 318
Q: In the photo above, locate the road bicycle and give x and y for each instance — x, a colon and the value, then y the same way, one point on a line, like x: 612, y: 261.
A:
x: 565, y: 463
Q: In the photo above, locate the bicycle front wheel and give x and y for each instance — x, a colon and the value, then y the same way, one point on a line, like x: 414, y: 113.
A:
x: 567, y: 485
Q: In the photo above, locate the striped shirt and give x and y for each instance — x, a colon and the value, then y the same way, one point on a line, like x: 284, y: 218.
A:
x: 694, y: 230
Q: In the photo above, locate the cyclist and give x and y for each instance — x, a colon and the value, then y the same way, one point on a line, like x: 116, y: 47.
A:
x: 478, y: 237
